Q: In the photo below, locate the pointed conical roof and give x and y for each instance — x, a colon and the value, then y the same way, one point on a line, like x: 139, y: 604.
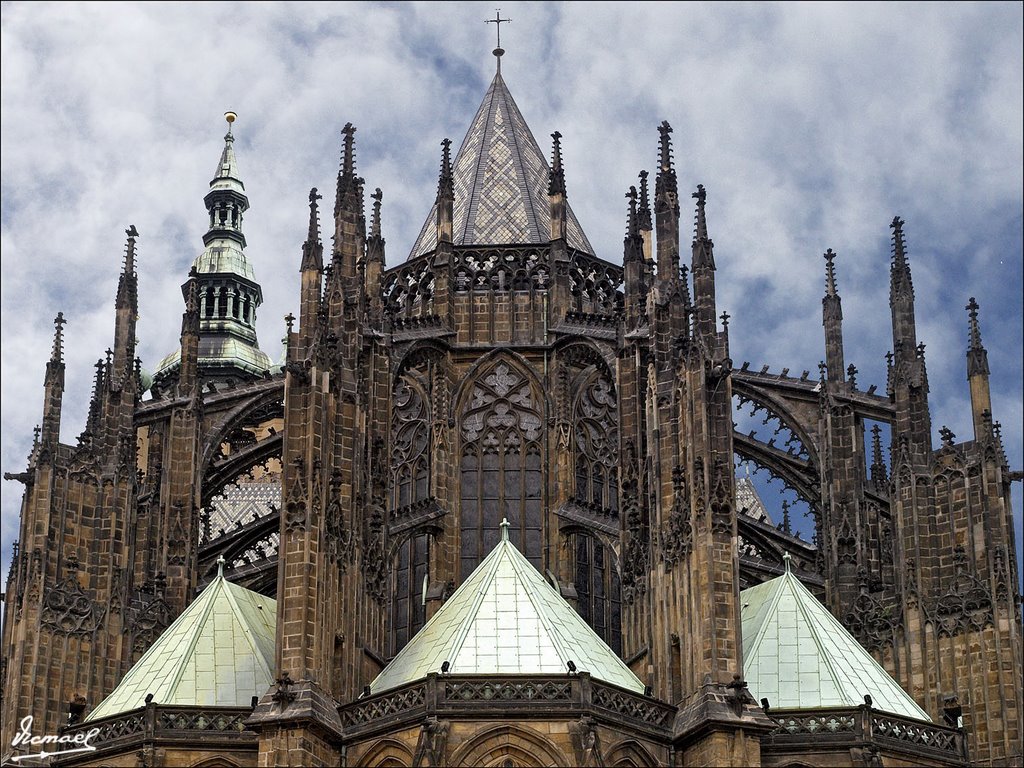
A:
x: 797, y: 654
x: 506, y: 619
x: 501, y: 183
x: 219, y: 652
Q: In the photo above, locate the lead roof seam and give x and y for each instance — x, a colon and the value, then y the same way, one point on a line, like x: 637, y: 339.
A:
x: 828, y: 618
x: 249, y: 635
x: 198, y: 627
x: 772, y: 602
x: 478, y: 599
x: 422, y: 631
x: 553, y: 633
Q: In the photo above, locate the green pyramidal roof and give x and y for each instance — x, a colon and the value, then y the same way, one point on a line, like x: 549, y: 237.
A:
x: 506, y: 620
x: 797, y: 655
x: 219, y: 652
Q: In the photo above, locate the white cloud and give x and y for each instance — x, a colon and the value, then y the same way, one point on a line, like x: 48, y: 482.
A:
x: 811, y: 126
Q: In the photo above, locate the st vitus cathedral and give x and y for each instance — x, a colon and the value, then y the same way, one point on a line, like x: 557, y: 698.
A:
x: 486, y: 511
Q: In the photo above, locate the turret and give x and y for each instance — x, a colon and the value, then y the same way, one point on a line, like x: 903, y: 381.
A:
x: 832, y: 320
x: 977, y: 376
x: 227, y: 294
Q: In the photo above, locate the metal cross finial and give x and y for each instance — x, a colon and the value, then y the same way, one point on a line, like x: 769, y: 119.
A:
x: 498, y: 21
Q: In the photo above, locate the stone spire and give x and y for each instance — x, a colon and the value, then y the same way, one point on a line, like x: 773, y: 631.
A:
x: 977, y: 356
x: 633, y: 263
x: 703, y: 270
x: 53, y: 386
x: 348, y: 212
x: 666, y: 208
x: 127, y: 313
x: 374, y: 270
x: 832, y: 320
x: 879, y: 473
x: 556, y: 189
x: 445, y: 195
x: 310, y: 271
x: 901, y: 293
x: 977, y: 375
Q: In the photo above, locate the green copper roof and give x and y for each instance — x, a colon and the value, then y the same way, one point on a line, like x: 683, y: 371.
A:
x: 797, y: 654
x: 219, y: 652
x: 506, y: 620
x: 500, y: 176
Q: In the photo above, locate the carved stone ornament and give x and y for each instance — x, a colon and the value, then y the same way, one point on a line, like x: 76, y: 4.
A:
x: 586, y: 743
x: 375, y: 560
x: 967, y: 605
x: 295, y: 506
x: 149, y: 622
x: 722, y: 500
x: 432, y: 744
x: 677, y: 533
x: 68, y: 609
x: 872, y: 623
x: 340, y: 543
x: 177, y: 547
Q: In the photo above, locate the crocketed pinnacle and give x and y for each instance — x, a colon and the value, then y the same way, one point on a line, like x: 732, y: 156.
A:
x: 348, y: 183
x: 445, y: 182
x: 632, y: 244
x: 312, y: 249
x: 830, y: 273
x: 556, y: 176
x: 375, y: 242
x: 644, y: 220
x: 977, y: 355
x: 899, y: 281
x: 703, y: 247
x: 128, y: 283
x: 57, y: 354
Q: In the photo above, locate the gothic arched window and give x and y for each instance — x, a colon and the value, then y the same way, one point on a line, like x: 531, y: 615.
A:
x: 410, y: 482
x: 595, y: 426
x: 502, y: 437
x: 599, y: 598
x: 596, y: 448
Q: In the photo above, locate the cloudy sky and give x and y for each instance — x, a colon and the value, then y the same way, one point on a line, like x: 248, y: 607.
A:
x: 811, y: 126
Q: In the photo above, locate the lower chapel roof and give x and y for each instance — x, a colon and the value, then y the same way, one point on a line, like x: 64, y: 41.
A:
x: 506, y: 619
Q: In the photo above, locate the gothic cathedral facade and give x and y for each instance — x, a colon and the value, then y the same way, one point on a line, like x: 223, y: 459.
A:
x: 505, y: 371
